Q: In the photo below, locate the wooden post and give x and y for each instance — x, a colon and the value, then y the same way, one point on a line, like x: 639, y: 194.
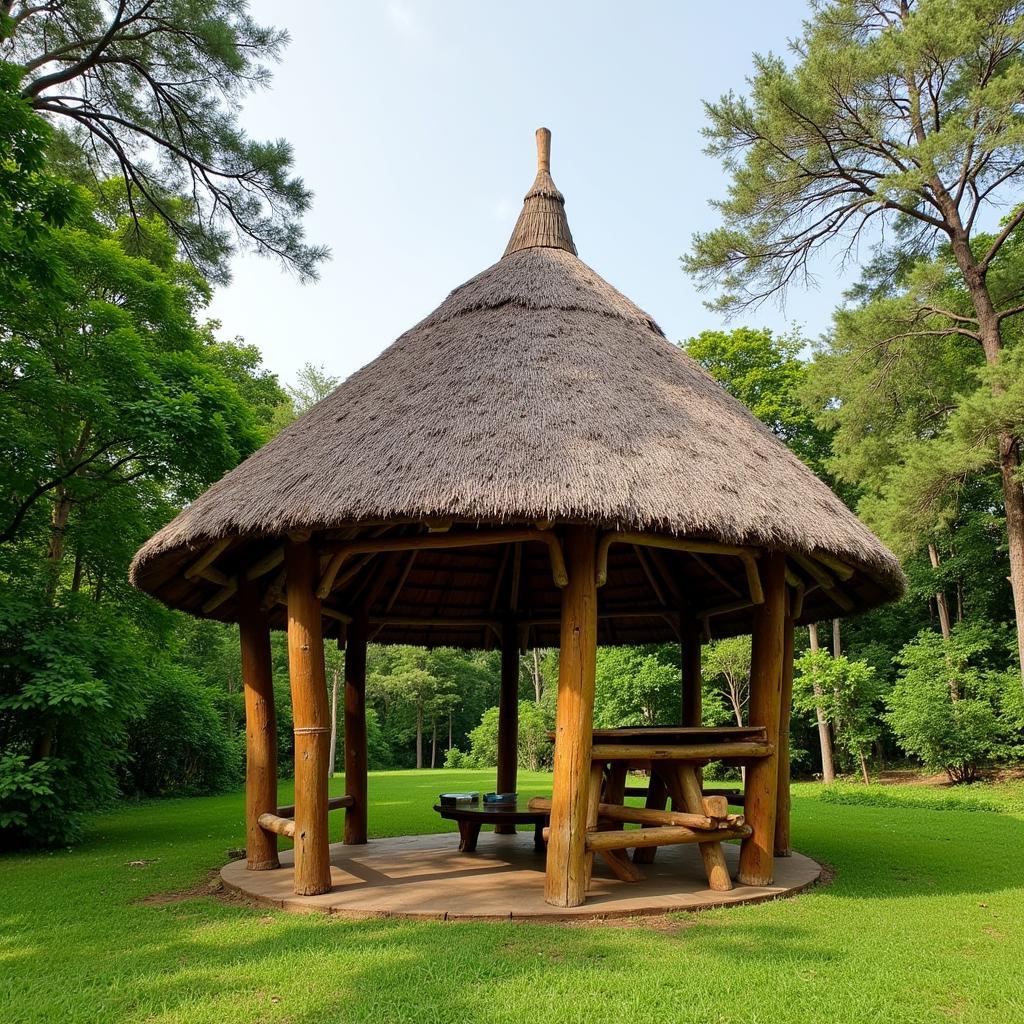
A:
x: 355, y: 729
x: 783, y: 843
x: 260, y: 730
x: 565, y: 876
x: 508, y: 715
x: 690, y: 664
x: 310, y: 716
x: 762, y: 783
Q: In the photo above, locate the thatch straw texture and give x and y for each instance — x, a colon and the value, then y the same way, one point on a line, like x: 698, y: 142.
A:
x: 536, y: 390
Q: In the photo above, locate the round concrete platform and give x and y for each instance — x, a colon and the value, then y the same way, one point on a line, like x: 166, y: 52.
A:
x: 427, y: 877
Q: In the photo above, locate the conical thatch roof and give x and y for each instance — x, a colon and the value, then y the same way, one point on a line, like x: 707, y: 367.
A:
x: 535, y: 391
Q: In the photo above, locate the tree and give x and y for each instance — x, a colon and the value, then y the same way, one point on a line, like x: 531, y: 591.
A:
x: 151, y: 91
x: 899, y: 113
x: 727, y: 662
x: 114, y: 412
x: 636, y: 686
x: 32, y: 198
x: 945, y: 706
x: 846, y: 692
x: 767, y: 375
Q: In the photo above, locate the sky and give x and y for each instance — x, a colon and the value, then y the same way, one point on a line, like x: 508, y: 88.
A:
x: 413, y: 123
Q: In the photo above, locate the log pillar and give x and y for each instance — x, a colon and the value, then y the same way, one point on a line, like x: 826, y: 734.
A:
x: 508, y: 715
x: 355, y: 729
x: 260, y: 730
x: 783, y: 843
x: 762, y: 781
x: 311, y: 717
x: 690, y: 664
x: 565, y: 877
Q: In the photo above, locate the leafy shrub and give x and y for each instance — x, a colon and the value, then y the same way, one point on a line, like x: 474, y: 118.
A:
x: 535, y: 750
x: 925, y: 798
x: 179, y: 743
x: 945, y: 706
x: 455, y: 758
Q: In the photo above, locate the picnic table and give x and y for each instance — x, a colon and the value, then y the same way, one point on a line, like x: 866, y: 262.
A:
x: 470, y: 817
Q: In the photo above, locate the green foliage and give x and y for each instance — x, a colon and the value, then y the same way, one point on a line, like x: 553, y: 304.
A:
x: 945, y: 706
x: 636, y: 686
x: 767, y: 374
x: 535, y: 750
x: 151, y: 93
x: 32, y: 198
x: 848, y: 694
x: 200, y: 755
x: 893, y: 112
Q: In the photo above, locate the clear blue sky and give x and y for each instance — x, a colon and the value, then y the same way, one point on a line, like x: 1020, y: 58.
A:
x: 413, y: 123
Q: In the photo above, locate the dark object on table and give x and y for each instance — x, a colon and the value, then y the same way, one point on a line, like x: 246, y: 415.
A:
x: 459, y: 799
x: 500, y: 799
x: 470, y: 818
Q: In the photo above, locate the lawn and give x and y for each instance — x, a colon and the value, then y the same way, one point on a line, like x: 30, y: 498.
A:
x: 924, y: 921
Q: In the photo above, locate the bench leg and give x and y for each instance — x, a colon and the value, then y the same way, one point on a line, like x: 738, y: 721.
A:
x: 469, y: 832
x: 683, y: 787
x: 538, y: 837
x: 657, y: 799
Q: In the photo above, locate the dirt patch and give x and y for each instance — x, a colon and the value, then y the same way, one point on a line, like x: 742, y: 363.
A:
x: 211, y: 885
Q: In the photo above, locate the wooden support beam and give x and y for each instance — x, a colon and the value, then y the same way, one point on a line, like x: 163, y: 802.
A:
x: 824, y: 580
x: 783, y: 845
x: 207, y: 558
x: 662, y: 835
x: 656, y: 800
x: 684, y: 788
x: 310, y: 716
x: 355, y: 730
x: 689, y: 664
x: 220, y: 597
x: 650, y: 816
x: 276, y: 825
x: 260, y: 730
x: 335, y: 803
x: 271, y: 560
x: 508, y: 716
x: 762, y: 779
x: 565, y: 873
x: 737, y: 750
x: 341, y: 550
x: 748, y: 556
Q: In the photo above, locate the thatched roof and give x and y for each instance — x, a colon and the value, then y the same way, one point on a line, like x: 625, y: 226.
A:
x: 535, y: 391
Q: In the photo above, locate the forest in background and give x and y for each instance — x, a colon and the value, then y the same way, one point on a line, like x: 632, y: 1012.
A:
x: 126, y: 184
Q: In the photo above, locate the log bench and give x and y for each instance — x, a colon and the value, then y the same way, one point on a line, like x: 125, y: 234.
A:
x: 673, y: 756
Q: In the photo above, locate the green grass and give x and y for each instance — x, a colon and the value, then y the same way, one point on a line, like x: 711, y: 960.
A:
x: 924, y: 922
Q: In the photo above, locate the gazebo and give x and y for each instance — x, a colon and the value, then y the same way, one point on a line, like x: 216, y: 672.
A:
x: 532, y: 464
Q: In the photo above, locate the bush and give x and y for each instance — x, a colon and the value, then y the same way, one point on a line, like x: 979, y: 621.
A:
x: 945, y: 706
x: 535, y: 750
x: 455, y: 758
x: 179, y: 744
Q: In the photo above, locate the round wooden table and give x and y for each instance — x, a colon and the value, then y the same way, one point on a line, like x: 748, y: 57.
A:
x: 470, y: 818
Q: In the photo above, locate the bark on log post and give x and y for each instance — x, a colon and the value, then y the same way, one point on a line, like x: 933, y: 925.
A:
x: 762, y: 782
x: 508, y: 716
x: 657, y: 798
x: 310, y: 715
x: 565, y: 873
x: 355, y: 729
x: 260, y: 730
x: 684, y: 786
x: 783, y: 843
x: 690, y: 666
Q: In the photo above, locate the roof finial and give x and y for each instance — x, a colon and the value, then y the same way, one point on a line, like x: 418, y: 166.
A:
x: 543, y: 150
x: 542, y: 223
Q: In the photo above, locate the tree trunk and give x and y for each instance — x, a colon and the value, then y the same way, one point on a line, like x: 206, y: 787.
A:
x: 55, y: 548
x: 837, y: 652
x: 419, y: 734
x: 1008, y: 452
x: 449, y: 730
x: 334, y: 725
x: 940, y: 595
x: 828, y: 769
x: 864, y: 768
x: 433, y: 742
x: 538, y: 680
